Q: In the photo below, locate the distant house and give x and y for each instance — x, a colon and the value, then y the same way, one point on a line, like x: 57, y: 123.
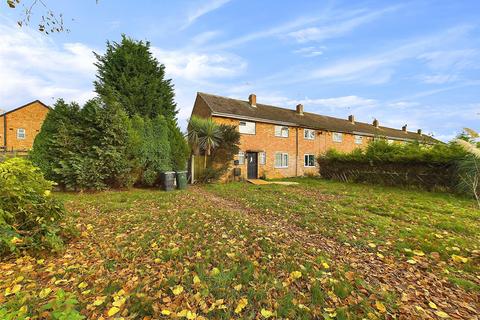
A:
x: 277, y: 142
x: 20, y: 126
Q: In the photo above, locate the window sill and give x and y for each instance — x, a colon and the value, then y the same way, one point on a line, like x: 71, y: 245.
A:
x: 281, y: 167
x: 309, y: 166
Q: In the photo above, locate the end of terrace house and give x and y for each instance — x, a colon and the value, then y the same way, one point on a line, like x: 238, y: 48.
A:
x: 279, y: 142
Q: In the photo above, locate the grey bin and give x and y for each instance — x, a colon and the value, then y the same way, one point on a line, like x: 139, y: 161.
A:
x: 182, y: 179
x: 167, y: 180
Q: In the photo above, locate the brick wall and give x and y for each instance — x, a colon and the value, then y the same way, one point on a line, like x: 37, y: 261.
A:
x: 264, y: 140
x: 30, y: 118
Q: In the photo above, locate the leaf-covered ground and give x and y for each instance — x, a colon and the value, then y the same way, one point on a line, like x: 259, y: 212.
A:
x: 238, y: 251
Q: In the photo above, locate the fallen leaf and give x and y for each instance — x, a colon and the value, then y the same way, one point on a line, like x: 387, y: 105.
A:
x: 380, y: 306
x: 442, y: 314
x: 241, y: 305
x: 459, y: 259
x: 295, y: 274
x: 44, y: 293
x: 196, y: 280
x: 177, y: 290
x: 266, y: 313
x: 432, y: 305
x: 113, y: 311
x: 418, y: 252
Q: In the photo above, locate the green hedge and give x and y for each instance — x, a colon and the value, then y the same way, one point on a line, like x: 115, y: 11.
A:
x: 427, y: 167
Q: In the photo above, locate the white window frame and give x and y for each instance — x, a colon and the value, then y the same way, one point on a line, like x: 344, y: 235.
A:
x: 23, y: 135
x: 262, y: 158
x: 358, y: 139
x: 247, y: 127
x: 337, y: 137
x: 280, y: 131
x: 309, y: 134
x: 241, y: 157
x: 283, y: 160
x: 305, y: 160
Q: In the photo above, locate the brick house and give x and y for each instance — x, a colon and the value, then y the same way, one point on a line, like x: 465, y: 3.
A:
x: 277, y: 142
x: 20, y: 126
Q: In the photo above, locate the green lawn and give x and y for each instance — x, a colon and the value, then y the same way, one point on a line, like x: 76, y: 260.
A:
x: 314, y: 250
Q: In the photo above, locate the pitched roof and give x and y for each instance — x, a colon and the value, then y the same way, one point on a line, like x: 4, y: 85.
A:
x: 25, y: 105
x: 233, y: 108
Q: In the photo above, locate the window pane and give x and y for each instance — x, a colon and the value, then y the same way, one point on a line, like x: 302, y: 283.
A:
x: 262, y: 157
x: 246, y: 127
x: 278, y: 160
x: 241, y: 158
x: 285, y: 160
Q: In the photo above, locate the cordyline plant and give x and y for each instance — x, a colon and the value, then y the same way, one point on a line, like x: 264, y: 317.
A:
x: 469, y: 167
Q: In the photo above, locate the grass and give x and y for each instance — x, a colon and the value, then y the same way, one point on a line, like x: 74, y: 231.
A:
x: 243, y: 251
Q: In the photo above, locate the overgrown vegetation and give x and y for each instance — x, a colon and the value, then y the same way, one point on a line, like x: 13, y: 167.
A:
x: 30, y: 218
x: 469, y: 167
x: 430, y: 167
x: 217, y: 142
x: 127, y: 136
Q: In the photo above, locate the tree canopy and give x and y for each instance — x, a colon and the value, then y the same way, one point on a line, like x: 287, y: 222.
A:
x: 129, y: 75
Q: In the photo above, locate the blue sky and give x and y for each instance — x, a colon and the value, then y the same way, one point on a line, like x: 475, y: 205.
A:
x: 405, y: 62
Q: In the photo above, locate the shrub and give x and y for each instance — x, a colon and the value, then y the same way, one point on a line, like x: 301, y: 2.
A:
x: 29, y: 216
x: 84, y: 149
x: 178, y: 147
x: 150, y: 148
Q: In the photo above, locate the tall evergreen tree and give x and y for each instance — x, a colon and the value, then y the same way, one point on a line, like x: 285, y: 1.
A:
x: 129, y: 75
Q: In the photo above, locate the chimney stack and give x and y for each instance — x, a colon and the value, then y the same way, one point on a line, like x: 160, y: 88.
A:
x: 351, y: 118
x: 300, y: 109
x: 419, y: 131
x: 252, y: 99
x: 375, y: 123
x: 404, y: 128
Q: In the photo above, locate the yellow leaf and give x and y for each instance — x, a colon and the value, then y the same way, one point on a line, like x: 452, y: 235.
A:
x: 459, y: 258
x: 238, y: 287
x: 442, y: 314
x: 47, y: 193
x: 157, y: 260
x: 99, y: 301
x: 215, y: 271
x: 241, y: 305
x: 418, y: 252
x: 166, y: 312
x: 19, y: 279
x: 44, y: 293
x: 177, y: 290
x: 295, y: 274
x: 266, y: 313
x: 372, y: 245
x: 23, y: 310
x: 83, y: 285
x: 16, y: 288
x: 196, y: 280
x: 381, y: 256
x: 119, y: 302
x: 231, y: 255
x: 182, y: 313
x: 191, y: 315
x: 86, y: 292
x: 113, y: 311
x: 380, y: 306
x: 325, y: 265
x: 411, y: 261
x: 432, y: 305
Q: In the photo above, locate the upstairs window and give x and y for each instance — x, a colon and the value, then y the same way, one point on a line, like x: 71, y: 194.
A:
x: 246, y: 127
x: 309, y: 160
x: 309, y: 134
x: 281, y: 131
x: 281, y: 160
x: 358, y: 139
x: 337, y: 137
x: 21, y: 134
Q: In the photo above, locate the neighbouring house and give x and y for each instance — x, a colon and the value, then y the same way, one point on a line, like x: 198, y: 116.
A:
x: 20, y: 126
x: 278, y: 142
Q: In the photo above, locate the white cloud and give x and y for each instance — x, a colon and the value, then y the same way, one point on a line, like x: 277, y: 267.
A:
x: 310, y: 52
x: 34, y: 67
x: 202, y: 10
x: 338, y: 27
x: 199, y: 66
x: 438, y: 78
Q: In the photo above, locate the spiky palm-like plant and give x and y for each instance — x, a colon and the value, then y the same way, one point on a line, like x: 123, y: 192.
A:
x: 203, y: 135
x: 469, y: 167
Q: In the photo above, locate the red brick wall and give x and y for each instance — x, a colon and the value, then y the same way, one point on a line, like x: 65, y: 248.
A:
x: 264, y: 140
x: 29, y: 118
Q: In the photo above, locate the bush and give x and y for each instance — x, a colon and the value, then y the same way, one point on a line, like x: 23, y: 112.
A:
x: 84, y: 149
x: 430, y: 167
x: 29, y: 216
x: 150, y: 148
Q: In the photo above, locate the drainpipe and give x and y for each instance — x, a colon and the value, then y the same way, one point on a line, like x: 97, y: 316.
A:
x: 5, y: 131
x: 296, y: 156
